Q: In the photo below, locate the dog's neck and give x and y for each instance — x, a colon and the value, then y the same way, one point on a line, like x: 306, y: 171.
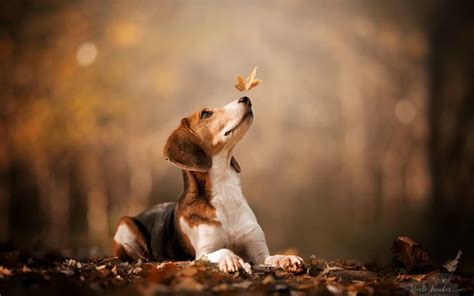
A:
x: 222, y: 179
x: 221, y: 167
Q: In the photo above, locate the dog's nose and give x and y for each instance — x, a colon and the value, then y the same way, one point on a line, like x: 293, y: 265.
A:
x: 245, y: 100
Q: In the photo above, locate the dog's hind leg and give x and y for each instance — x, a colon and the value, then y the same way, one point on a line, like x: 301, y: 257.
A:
x: 129, y: 241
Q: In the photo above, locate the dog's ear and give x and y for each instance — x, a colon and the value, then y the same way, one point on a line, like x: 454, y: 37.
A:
x: 186, y: 150
x: 235, y: 164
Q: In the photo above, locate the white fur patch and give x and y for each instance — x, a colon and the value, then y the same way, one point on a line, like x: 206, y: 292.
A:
x: 228, y: 261
x: 126, y: 237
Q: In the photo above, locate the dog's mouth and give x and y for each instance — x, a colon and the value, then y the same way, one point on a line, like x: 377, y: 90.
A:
x: 246, y: 116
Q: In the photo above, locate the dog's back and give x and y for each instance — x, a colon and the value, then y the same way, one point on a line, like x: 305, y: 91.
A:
x: 134, y: 238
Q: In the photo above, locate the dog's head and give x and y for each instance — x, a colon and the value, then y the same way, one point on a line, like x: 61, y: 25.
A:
x: 207, y: 133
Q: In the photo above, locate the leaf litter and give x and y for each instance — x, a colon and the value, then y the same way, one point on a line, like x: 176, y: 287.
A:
x: 318, y: 277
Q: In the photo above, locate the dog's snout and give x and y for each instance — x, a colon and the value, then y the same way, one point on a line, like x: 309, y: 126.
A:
x: 245, y: 100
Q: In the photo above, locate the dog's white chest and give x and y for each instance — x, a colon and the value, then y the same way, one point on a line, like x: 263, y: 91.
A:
x: 232, y: 211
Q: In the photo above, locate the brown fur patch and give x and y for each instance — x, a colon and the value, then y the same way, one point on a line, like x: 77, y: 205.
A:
x: 186, y: 150
x: 195, y: 203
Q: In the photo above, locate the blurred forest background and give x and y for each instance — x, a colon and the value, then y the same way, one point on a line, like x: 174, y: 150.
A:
x: 363, y: 131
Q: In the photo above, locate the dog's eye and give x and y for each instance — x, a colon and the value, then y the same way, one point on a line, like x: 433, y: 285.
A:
x: 206, y: 114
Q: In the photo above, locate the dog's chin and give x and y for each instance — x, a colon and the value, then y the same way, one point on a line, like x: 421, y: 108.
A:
x: 246, y: 120
x: 241, y: 129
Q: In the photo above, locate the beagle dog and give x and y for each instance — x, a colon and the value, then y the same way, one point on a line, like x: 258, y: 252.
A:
x: 211, y: 219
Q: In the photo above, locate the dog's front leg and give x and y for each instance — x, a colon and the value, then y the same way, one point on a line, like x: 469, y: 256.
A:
x: 227, y: 260
x: 258, y: 252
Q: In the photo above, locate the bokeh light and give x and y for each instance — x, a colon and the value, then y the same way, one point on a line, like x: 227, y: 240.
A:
x: 86, y: 54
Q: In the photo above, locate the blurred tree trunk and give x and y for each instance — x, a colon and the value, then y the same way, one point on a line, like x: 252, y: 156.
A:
x: 26, y: 222
x: 451, y: 116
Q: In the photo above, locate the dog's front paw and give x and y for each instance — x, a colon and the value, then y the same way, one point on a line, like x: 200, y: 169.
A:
x: 228, y: 261
x: 290, y: 262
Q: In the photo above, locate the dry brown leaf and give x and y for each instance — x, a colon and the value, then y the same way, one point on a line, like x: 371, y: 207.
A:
x: 220, y: 288
x: 305, y: 286
x: 249, y: 83
x: 25, y: 269
x: 161, y: 273
x: 251, y: 78
x: 240, y: 83
x: 335, y: 289
x: 242, y: 285
x: 408, y: 277
x: 416, y: 277
x: 408, y: 253
x: 268, y: 279
x: 452, y: 265
x: 255, y: 83
x: 4, y: 271
x: 188, y: 271
x: 188, y: 284
x: 114, y: 270
x: 359, y: 289
x: 216, y: 275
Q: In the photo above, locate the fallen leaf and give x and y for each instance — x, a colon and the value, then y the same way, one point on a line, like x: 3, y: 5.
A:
x: 25, y: 269
x: 4, y: 271
x: 452, y: 265
x: 188, y: 271
x: 408, y: 253
x: 100, y: 267
x: 242, y: 285
x: 249, y: 83
x: 416, y: 277
x: 216, y: 275
x: 359, y: 288
x: 281, y: 272
x: 268, y: 279
x: 335, y: 289
x: 220, y: 288
x: 114, y: 270
x: 135, y: 270
x: 162, y: 273
x: 328, y: 269
x: 350, y: 264
x: 67, y: 272
x: 188, y: 284
x: 408, y: 277
x: 71, y: 263
x: 305, y: 286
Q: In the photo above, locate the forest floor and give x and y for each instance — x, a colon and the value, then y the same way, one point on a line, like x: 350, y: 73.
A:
x: 21, y: 274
